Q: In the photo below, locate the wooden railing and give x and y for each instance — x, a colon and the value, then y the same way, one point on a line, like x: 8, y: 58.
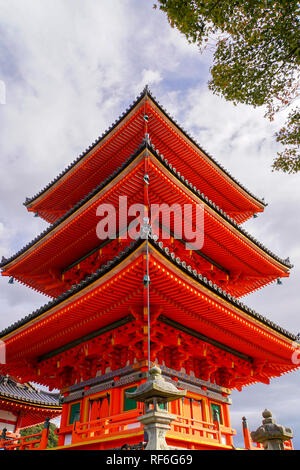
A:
x: 36, y: 441
x: 203, y: 430
x: 125, y: 423
x: 288, y: 445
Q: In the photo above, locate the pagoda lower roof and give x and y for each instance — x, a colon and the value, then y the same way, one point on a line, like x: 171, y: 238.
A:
x: 107, y: 295
x: 109, y: 151
x: 77, y: 227
x: 26, y: 393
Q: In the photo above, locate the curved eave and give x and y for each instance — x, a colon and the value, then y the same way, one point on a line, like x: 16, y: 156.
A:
x: 33, y: 404
x: 211, y: 160
x: 219, y: 292
x: 136, y: 248
x: 32, y: 203
x: 223, y: 217
x: 63, y: 221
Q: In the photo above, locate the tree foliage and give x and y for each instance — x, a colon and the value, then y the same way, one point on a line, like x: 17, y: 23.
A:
x: 256, y: 56
x: 52, y: 438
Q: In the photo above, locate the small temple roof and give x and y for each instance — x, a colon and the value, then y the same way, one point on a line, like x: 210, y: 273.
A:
x: 165, y: 251
x: 147, y: 145
x: 28, y: 393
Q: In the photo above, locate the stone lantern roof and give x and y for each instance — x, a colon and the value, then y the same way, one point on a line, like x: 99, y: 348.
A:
x: 156, y: 388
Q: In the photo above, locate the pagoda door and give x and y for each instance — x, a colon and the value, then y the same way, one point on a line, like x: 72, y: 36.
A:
x: 99, y: 407
x: 192, y: 414
x: 197, y: 416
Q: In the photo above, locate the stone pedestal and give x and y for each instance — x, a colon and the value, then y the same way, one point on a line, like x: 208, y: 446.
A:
x: 156, y: 425
x: 271, y: 434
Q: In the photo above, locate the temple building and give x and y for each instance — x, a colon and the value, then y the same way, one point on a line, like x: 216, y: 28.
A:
x: 120, y: 304
x: 24, y: 405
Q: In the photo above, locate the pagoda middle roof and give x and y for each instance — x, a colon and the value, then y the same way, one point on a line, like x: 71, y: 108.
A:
x: 166, y: 253
x: 71, y: 185
x: 155, y: 153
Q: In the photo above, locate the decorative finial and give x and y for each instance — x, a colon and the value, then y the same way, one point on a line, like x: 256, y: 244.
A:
x: 244, y: 422
x: 154, y: 372
x: 145, y: 228
x: 146, y: 280
x: 267, y: 413
x: 146, y: 139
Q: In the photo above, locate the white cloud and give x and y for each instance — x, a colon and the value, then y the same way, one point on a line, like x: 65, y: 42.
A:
x: 149, y: 77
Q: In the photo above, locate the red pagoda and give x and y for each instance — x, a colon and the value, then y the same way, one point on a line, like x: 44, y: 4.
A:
x: 119, y: 304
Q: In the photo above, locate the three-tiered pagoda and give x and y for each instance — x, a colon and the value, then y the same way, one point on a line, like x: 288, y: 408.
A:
x: 117, y: 300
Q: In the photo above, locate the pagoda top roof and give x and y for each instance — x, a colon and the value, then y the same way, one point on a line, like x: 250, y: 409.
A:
x: 171, y: 257
x: 32, y: 203
x: 145, y: 145
x: 11, y: 389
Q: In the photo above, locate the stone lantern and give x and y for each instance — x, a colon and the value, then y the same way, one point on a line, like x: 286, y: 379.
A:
x: 271, y: 434
x: 156, y: 393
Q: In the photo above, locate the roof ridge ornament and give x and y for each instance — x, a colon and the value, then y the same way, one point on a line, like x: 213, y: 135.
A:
x: 146, y: 229
x: 146, y: 139
x: 146, y: 89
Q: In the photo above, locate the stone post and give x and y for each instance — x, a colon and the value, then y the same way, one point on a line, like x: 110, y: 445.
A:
x: 271, y: 434
x: 156, y: 424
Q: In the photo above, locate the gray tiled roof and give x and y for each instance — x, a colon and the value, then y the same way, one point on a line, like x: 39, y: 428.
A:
x: 9, y: 388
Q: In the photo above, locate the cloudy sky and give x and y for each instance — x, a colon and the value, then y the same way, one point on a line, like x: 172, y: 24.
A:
x: 69, y: 69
